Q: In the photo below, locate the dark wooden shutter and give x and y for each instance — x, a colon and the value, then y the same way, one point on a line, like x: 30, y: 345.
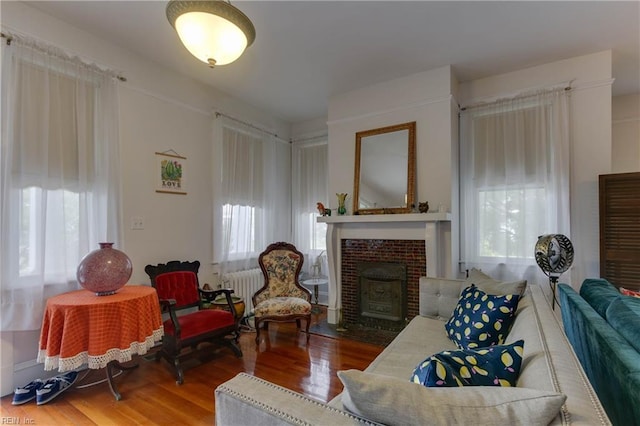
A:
x: 620, y: 229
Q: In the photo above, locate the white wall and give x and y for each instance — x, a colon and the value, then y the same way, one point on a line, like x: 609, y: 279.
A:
x: 425, y: 98
x: 309, y: 129
x: 175, y: 226
x: 159, y: 110
x: 625, y: 155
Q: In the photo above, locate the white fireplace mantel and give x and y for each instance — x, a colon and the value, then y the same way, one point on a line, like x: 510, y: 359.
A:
x: 418, y: 226
x: 387, y: 218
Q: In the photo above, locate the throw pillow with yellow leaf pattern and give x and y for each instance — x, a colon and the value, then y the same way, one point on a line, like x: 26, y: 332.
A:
x: 480, y: 319
x: 497, y: 365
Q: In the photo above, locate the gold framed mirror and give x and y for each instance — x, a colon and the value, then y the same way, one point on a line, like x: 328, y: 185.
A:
x: 385, y: 172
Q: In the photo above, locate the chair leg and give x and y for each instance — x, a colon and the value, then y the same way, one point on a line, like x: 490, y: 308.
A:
x: 179, y: 374
x: 307, y: 329
x: 298, y: 324
x: 235, y: 348
x: 257, y: 323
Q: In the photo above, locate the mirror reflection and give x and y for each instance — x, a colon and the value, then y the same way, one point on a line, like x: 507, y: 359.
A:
x: 385, y: 170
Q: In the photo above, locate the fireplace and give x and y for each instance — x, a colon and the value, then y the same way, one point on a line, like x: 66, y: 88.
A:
x: 403, y: 262
x: 422, y: 242
x: 382, y: 294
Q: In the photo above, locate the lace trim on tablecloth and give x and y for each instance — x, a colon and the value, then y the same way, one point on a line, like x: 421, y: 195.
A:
x: 100, y: 361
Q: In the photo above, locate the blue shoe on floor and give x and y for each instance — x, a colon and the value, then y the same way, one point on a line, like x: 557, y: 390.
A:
x: 28, y: 392
x: 55, y: 386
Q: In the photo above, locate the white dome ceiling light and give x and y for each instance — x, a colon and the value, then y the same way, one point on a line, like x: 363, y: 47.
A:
x: 213, y: 31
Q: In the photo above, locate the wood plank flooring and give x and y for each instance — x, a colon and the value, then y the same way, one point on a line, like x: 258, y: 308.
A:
x: 150, y: 395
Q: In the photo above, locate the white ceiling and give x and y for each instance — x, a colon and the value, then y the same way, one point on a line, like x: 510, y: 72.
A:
x: 307, y: 51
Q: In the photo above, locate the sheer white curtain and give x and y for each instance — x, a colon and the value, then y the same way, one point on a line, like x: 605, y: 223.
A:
x: 514, y: 181
x: 60, y: 174
x: 252, y: 199
x: 310, y: 186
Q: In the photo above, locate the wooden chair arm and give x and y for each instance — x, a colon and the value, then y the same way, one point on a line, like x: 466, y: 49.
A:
x: 166, y: 304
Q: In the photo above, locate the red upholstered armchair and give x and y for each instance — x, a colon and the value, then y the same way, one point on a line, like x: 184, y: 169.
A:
x: 178, y: 290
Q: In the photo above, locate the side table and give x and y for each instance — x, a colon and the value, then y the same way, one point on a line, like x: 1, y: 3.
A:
x: 316, y: 283
x: 101, y: 331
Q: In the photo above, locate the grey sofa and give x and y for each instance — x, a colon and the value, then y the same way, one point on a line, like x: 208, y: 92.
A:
x: 549, y: 367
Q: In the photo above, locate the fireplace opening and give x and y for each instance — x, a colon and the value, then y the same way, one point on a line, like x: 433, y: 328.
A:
x: 382, y: 295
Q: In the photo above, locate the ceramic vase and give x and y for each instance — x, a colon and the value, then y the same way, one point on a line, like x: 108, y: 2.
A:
x: 105, y: 270
x: 220, y: 302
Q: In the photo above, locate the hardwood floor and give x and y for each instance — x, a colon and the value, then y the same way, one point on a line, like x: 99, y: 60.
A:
x: 150, y: 395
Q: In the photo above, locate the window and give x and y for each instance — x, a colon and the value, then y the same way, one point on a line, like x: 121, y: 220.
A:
x: 508, y: 220
x: 60, y: 174
x: 310, y: 187
x: 239, y: 225
x: 49, y: 161
x: 514, y: 183
x: 318, y: 232
x: 252, y: 206
x: 61, y: 223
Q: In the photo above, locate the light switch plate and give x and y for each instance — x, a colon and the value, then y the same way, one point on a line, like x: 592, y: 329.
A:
x: 137, y: 222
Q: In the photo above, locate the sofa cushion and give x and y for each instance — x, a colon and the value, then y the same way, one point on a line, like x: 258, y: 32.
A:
x: 491, y: 286
x: 422, y: 336
x: 623, y: 315
x: 495, y: 366
x: 599, y: 293
x: 392, y: 401
x: 481, y: 320
x: 438, y: 296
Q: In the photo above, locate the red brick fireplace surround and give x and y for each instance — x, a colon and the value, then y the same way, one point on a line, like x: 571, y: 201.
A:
x: 408, y: 252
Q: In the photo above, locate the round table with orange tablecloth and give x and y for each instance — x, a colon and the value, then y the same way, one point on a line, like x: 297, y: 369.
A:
x: 101, y: 331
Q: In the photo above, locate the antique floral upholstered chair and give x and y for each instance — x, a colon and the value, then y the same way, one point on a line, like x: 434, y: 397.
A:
x: 189, y: 324
x: 282, y: 298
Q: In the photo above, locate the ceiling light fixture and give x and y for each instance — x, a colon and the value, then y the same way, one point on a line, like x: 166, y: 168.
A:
x: 213, y: 31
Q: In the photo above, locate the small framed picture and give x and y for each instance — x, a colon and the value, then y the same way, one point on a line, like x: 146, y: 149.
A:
x: 170, y: 173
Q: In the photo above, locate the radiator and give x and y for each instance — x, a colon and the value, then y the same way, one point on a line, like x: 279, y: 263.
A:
x: 244, y: 284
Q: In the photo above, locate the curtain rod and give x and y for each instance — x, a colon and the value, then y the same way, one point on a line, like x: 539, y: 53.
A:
x: 253, y: 126
x: 311, y: 138
x: 9, y: 38
x: 566, y: 86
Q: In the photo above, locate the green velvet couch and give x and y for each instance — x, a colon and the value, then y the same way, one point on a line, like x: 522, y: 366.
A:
x: 603, y: 327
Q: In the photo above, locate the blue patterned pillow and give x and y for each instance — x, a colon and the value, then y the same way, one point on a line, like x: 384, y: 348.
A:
x: 493, y: 366
x: 480, y: 320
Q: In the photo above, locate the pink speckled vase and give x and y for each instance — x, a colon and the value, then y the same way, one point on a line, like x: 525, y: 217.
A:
x: 105, y: 270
